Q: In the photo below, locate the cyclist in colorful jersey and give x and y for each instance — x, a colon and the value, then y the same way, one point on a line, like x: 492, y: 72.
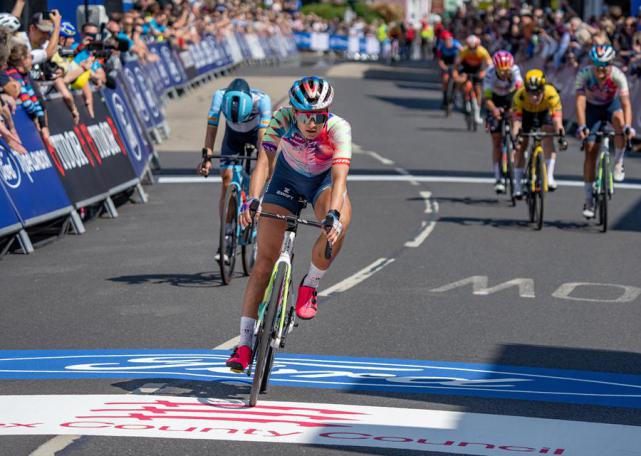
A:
x: 308, y: 151
x: 499, y: 84
x: 247, y: 112
x: 447, y: 51
x: 470, y: 65
x: 537, y: 104
x: 602, y: 95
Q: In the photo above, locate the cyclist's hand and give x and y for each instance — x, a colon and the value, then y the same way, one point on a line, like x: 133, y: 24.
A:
x: 629, y: 132
x: 333, y: 226
x: 248, y: 211
x: 204, y: 167
x: 583, y: 132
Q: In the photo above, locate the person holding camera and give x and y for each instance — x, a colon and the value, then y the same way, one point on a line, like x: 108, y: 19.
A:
x: 42, y: 36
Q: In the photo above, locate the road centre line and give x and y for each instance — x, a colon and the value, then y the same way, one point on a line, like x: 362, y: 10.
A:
x: 392, y: 178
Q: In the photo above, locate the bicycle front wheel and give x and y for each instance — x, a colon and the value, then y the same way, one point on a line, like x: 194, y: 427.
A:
x: 264, y: 351
x: 603, y: 195
x: 228, y: 235
x: 539, y: 191
x: 249, y: 252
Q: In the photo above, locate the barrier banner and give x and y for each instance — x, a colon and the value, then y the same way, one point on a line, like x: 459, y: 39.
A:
x: 31, y: 179
x: 161, y: 69
x: 233, y: 48
x: 188, y: 65
x: 156, y: 79
x: 244, y: 46
x: 303, y: 40
x: 9, y: 222
x: 338, y: 42
x: 170, y: 62
x: 90, y: 157
x: 254, y: 46
x: 151, y: 114
x: 130, y: 128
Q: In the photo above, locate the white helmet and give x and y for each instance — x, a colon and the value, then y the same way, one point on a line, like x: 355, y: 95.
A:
x: 9, y: 22
x: 472, y: 41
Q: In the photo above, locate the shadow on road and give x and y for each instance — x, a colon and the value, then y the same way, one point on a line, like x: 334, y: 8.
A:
x: 631, y: 220
x: 412, y: 102
x: 518, y: 224
x: 207, y: 279
x: 471, y: 201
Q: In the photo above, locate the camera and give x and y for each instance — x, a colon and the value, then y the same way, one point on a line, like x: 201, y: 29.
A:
x: 100, y: 49
x: 49, y: 70
x: 66, y: 52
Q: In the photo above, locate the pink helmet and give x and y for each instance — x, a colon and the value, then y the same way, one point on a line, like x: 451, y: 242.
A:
x: 503, y: 60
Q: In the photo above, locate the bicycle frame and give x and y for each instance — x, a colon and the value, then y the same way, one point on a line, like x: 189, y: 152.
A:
x: 240, y: 180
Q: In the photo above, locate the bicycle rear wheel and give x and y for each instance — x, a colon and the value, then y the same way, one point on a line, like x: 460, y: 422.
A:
x: 603, y: 194
x: 507, y: 168
x: 228, y: 242
x: 264, y: 351
x: 539, y: 191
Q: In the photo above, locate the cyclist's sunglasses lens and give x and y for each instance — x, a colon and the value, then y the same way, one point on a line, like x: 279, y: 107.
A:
x: 534, y: 91
x: 307, y: 117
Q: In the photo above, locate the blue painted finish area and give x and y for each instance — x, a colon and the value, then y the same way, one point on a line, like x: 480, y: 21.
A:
x: 341, y: 373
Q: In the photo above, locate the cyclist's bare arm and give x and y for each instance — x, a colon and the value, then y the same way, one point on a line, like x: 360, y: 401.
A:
x: 627, y: 109
x: 265, y: 163
x: 210, y: 137
x: 581, y: 101
x: 338, y: 192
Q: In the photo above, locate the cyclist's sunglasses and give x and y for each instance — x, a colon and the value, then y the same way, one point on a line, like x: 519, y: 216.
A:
x: 602, y: 66
x: 534, y: 91
x: 319, y: 117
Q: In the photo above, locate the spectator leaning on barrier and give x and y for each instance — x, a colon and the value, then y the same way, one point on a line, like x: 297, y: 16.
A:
x: 20, y: 64
x: 42, y: 36
x: 9, y: 91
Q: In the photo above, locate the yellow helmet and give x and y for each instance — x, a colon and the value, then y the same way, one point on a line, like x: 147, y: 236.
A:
x: 534, y: 81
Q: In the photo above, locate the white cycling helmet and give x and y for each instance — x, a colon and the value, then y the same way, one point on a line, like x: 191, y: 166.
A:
x: 9, y: 22
x: 472, y: 41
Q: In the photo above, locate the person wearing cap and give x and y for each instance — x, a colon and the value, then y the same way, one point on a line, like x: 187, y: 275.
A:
x: 42, y: 36
x: 69, y: 69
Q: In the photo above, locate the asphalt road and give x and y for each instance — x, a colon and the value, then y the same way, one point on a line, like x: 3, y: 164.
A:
x: 147, y: 280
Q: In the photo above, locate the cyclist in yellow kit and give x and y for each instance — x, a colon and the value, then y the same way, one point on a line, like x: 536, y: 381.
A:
x: 537, y: 104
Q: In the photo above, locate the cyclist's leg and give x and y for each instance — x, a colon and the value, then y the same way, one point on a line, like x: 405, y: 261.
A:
x: 229, y: 147
x: 519, y: 153
x: 615, y: 112
x: 593, y: 116
x: 548, y: 150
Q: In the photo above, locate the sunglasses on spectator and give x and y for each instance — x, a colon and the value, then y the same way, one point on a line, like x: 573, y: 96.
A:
x: 319, y: 117
x: 91, y: 35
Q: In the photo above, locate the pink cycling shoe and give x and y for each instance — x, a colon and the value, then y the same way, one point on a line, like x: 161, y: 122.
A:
x: 306, y: 303
x: 239, y: 359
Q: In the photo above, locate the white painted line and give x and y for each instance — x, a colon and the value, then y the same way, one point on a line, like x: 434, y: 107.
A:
x: 380, y: 158
x: 427, y: 229
x: 391, y: 178
x: 231, y: 343
x: 428, y: 204
x: 358, y: 277
x: 316, y: 424
x: 51, y: 447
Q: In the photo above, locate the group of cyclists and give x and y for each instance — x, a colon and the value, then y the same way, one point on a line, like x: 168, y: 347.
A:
x: 304, y: 150
x: 602, y: 95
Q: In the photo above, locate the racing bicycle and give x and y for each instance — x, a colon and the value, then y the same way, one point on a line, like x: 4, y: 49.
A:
x: 276, y: 314
x: 507, y: 160
x: 535, y: 183
x: 604, y: 182
x: 231, y: 234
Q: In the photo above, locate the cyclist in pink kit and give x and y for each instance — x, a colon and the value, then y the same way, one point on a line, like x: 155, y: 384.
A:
x: 307, y: 151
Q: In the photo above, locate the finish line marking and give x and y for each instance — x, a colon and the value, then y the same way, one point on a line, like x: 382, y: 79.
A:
x: 392, y: 178
x: 311, y: 424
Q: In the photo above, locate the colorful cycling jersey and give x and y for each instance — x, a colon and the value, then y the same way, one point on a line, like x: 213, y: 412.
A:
x: 474, y: 58
x: 493, y: 85
x: 309, y: 157
x: 550, y: 102
x: 448, y: 54
x: 614, y: 85
x: 259, y: 117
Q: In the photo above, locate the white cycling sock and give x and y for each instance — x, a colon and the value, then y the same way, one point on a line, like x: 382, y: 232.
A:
x: 314, y: 276
x: 587, y: 188
x: 550, y: 165
x: 518, y: 176
x: 618, y: 155
x: 247, y: 331
x: 497, y: 171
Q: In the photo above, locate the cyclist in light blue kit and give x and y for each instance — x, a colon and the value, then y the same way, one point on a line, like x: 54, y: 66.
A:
x: 247, y: 114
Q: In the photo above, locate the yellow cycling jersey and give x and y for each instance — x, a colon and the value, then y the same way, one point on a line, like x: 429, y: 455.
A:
x: 474, y: 57
x: 550, y: 102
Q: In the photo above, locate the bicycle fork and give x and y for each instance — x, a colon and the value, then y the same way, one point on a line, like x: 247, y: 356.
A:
x: 544, y: 179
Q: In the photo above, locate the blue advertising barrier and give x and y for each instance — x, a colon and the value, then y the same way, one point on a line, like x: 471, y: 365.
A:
x: 35, y: 187
x: 171, y: 64
x: 9, y: 222
x: 144, y: 100
x: 303, y: 40
x: 244, y: 47
x: 139, y: 149
x: 338, y: 42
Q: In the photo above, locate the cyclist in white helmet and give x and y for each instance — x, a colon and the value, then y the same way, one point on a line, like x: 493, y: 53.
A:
x: 308, y: 151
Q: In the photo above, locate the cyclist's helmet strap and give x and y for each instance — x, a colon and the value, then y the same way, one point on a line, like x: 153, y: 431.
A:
x: 237, y: 102
x: 311, y: 93
x: 602, y: 55
x: 535, y: 81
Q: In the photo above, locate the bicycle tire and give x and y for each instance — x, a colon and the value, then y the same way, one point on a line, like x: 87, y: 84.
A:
x: 539, y: 191
x: 228, y: 243
x: 249, y: 252
x: 264, y: 350
x: 510, y: 175
x: 449, y: 97
x: 603, y: 194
